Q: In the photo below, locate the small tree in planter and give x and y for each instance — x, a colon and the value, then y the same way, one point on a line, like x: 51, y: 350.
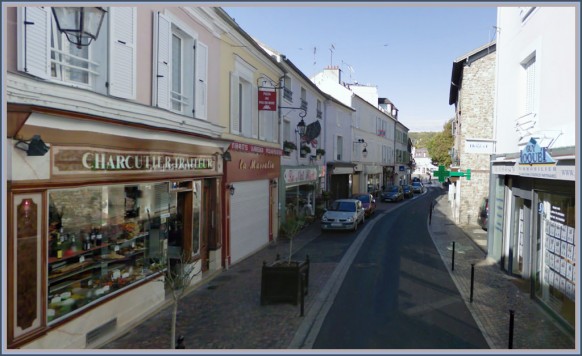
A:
x: 177, y: 280
x: 320, y: 152
x: 284, y: 280
x: 288, y: 146
x: 304, y: 150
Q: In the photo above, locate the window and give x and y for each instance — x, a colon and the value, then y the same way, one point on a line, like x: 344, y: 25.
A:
x: 287, y: 130
x: 287, y: 92
x: 106, y: 66
x: 244, y: 110
x: 303, y: 99
x: 530, y: 85
x: 180, y: 71
x: 339, y: 143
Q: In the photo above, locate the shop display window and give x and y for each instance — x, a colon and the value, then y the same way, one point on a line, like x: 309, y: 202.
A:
x: 103, y: 239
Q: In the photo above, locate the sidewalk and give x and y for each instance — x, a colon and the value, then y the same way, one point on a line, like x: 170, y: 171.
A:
x: 495, y: 293
x: 224, y: 312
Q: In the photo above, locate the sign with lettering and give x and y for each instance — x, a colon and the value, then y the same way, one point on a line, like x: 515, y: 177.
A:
x: 537, y: 171
x: 245, y: 147
x: 478, y: 146
x: 267, y: 99
x: 68, y: 160
x: 534, y: 154
x: 295, y: 175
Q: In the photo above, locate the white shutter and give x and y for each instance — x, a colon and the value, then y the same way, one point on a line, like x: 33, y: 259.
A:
x: 335, y: 152
x: 34, y: 45
x: 201, y: 80
x: 234, y: 104
x: 122, y: 52
x: 162, y: 26
x: 255, y: 111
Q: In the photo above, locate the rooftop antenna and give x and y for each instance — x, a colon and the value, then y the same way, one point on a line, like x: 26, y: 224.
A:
x: 350, y: 69
x: 331, y: 49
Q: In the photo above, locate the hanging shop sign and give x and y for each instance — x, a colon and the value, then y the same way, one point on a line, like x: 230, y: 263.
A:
x: 267, y: 99
x: 534, y: 154
x: 295, y: 175
x: 67, y: 161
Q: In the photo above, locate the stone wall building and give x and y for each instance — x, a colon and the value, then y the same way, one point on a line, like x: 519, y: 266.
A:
x: 472, y: 92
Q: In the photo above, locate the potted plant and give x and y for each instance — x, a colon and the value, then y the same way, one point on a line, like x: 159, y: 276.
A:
x: 304, y: 150
x: 319, y: 152
x: 288, y: 146
x: 285, y: 280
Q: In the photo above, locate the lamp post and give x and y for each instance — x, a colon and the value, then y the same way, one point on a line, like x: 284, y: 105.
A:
x: 365, y: 150
x: 81, y: 25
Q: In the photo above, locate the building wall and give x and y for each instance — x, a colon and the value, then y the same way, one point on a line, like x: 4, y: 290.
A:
x: 476, y: 120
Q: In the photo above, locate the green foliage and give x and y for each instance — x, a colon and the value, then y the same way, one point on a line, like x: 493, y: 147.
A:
x: 421, y: 139
x: 440, y: 144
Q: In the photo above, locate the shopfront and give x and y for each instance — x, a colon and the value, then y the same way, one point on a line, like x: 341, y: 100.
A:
x: 533, y: 230
x: 340, y: 177
x: 95, y: 222
x: 250, y: 199
x: 300, y: 186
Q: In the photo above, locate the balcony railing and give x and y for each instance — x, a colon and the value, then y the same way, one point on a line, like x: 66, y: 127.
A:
x: 288, y: 94
x: 303, y: 104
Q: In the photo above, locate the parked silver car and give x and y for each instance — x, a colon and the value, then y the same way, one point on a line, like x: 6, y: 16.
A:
x: 344, y: 214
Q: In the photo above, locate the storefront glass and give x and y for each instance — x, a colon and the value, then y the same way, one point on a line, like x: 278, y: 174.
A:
x: 555, y: 277
x: 300, y: 201
x: 104, y: 238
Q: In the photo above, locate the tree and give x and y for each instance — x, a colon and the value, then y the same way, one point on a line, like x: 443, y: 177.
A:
x: 177, y: 279
x: 440, y: 144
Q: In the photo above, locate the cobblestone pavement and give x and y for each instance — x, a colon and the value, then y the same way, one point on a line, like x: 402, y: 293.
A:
x: 224, y: 312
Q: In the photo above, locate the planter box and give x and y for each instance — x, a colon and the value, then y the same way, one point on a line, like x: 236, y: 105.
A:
x: 283, y: 282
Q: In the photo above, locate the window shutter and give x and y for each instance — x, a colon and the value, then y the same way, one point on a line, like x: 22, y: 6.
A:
x: 336, y: 153
x: 161, y: 78
x: 34, y: 45
x: 255, y: 111
x: 234, y: 110
x: 122, y: 52
x: 201, y: 81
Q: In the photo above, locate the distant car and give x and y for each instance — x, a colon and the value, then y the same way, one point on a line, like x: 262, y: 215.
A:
x: 483, y: 218
x: 407, y: 189
x: 368, y: 202
x: 416, y: 179
x: 394, y: 193
x: 417, y: 188
x: 344, y: 214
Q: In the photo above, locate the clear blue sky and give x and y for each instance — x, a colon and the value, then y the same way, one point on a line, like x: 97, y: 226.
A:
x: 405, y: 49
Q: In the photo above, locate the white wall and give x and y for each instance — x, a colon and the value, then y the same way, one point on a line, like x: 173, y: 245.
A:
x: 550, y: 32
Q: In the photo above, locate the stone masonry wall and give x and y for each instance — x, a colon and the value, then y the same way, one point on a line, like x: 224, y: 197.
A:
x: 477, y: 107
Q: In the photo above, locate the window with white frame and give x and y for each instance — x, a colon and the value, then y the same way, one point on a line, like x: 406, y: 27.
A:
x: 287, y: 92
x: 244, y: 112
x: 319, y: 113
x: 529, y: 67
x: 107, y: 65
x: 303, y: 98
x: 180, y: 71
x: 287, y: 130
x: 338, y: 148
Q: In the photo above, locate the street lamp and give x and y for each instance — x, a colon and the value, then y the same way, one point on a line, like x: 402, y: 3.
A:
x: 81, y: 25
x: 365, y: 150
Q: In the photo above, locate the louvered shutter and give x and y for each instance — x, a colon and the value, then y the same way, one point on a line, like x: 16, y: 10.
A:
x: 255, y: 111
x: 162, y: 72
x: 122, y: 52
x: 201, y: 80
x: 34, y: 43
x: 234, y: 104
x: 337, y: 155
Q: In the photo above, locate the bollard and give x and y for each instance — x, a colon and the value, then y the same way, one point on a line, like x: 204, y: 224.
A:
x: 301, y: 291
x: 472, y: 279
x: 430, y: 214
x: 453, y: 261
x: 511, y: 317
x: 180, y: 342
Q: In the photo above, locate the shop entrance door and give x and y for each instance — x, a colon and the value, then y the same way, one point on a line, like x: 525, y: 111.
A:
x: 520, y: 236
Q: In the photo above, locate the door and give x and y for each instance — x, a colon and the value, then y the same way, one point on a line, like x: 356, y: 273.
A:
x: 520, y: 236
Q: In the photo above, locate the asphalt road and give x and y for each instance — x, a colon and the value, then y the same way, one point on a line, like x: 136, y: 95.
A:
x: 397, y: 294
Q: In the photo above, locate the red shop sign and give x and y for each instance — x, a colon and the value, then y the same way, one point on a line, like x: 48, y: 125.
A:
x: 267, y: 99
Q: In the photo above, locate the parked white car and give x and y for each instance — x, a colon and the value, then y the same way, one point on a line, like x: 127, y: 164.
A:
x: 344, y: 214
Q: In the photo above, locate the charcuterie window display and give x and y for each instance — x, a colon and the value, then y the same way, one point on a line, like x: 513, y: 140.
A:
x: 103, y: 239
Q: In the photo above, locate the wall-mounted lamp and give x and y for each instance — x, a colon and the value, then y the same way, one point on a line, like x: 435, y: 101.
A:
x: 230, y: 188
x: 273, y: 183
x: 34, y: 147
x: 81, y: 25
x: 365, y: 150
x: 226, y: 156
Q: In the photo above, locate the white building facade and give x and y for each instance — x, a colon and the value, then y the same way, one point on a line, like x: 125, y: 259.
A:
x: 532, y: 217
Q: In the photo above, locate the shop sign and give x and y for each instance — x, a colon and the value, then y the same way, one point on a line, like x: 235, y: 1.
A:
x: 537, y: 171
x: 83, y: 161
x: 295, y: 175
x: 479, y: 146
x: 534, y: 154
x: 267, y: 99
x: 245, y: 147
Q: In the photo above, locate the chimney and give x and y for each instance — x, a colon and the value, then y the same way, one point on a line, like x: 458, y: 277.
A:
x: 334, y: 72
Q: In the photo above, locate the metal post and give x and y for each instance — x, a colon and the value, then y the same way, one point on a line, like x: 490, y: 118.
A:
x: 453, y: 261
x: 472, y: 279
x: 430, y: 214
x: 511, y: 317
x: 301, y: 291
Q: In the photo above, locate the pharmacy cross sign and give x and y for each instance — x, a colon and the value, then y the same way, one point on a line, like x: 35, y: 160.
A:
x: 441, y: 174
